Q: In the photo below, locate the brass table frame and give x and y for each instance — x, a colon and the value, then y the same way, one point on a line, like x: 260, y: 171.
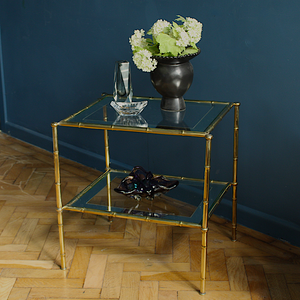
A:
x: 206, y: 215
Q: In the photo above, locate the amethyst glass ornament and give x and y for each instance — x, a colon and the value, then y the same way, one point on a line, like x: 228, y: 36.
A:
x: 140, y: 183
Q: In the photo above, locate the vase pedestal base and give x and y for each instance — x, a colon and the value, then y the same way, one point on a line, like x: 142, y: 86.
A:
x: 172, y: 104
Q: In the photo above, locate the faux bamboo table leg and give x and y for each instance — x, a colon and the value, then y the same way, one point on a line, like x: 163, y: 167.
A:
x: 58, y: 196
x: 235, y: 162
x: 205, y: 215
x: 107, y: 163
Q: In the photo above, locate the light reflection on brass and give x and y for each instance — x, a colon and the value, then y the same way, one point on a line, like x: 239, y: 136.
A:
x: 107, y: 160
x: 205, y: 213
x: 58, y: 197
x: 235, y: 162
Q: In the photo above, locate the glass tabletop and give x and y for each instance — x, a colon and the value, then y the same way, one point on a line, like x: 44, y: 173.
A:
x: 198, y: 117
x: 182, y: 204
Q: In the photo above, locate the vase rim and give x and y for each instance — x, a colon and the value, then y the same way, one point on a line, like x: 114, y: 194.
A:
x: 179, y: 56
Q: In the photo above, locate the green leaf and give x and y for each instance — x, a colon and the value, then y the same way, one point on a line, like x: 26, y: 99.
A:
x: 154, y: 49
x: 149, y: 32
x: 194, y: 46
x: 189, y: 50
x: 168, y: 44
x: 175, y: 25
x: 137, y: 49
x: 180, y: 18
x: 175, y: 33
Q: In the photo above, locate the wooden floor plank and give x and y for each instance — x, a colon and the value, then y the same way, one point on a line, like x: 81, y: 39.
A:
x: 278, y: 287
x: 110, y: 242
x: 9, y: 255
x: 26, y: 231
x: 170, y: 276
x: 217, y: 265
x: 70, y: 248
x: 264, y: 246
x: 294, y: 290
x: 195, y: 255
x: 282, y: 268
x: 148, y: 234
x: 95, y: 271
x: 236, y: 274
x: 14, y: 224
x: 6, y: 285
x: 12, y: 247
x: 129, y: 293
x: 164, y: 240
x: 51, y: 247
x: 118, y: 225
x: 34, y: 273
x: 130, y: 286
x: 30, y: 264
x: 19, y: 293
x: 46, y: 283
x: 80, y: 262
x: 5, y: 214
x: 93, y: 235
x: 148, y: 290
x: 45, y: 185
x: 257, y: 282
x: 214, y: 295
x: 186, y: 285
x: 137, y: 258
x: 181, y: 248
x: 156, y: 267
x: 63, y: 293
x: 133, y: 229
x: 124, y: 250
x: 292, y: 278
x: 23, y: 177
x: 131, y: 279
x: 33, y: 182
x: 122, y: 259
x: 112, y: 281
x: 13, y: 172
x: 38, y: 238
x: 6, y: 240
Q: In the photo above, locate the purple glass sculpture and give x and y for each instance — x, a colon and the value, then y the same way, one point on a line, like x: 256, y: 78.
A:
x: 140, y: 183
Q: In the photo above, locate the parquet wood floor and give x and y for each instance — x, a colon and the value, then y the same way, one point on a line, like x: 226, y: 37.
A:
x: 124, y: 259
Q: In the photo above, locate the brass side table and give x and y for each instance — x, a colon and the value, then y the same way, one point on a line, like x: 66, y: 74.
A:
x: 190, y: 204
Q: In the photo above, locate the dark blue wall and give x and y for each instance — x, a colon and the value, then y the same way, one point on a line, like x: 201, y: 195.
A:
x: 58, y: 56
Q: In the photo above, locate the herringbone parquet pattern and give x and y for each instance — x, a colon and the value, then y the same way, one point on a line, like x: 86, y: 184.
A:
x: 125, y: 259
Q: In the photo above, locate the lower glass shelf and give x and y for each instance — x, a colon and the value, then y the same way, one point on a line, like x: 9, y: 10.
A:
x: 181, y: 206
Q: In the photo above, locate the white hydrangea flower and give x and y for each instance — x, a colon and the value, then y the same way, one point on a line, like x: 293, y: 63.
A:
x: 174, y: 40
x: 183, y: 39
x: 158, y: 27
x: 193, y: 28
x: 137, y: 39
x: 144, y: 61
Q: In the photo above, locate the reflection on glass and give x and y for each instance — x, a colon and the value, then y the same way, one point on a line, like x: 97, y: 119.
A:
x: 128, y: 108
x: 173, y: 120
x: 165, y: 205
x: 132, y: 121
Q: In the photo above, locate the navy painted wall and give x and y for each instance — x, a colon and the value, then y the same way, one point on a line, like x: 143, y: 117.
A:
x: 58, y: 56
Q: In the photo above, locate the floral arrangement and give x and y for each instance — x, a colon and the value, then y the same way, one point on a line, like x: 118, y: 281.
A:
x: 168, y: 40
